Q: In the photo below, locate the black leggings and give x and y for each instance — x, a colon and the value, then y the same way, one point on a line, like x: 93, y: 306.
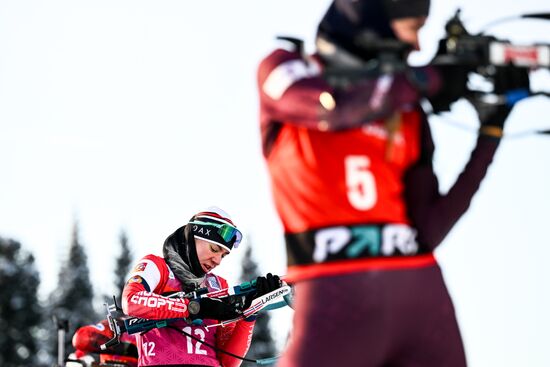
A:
x: 389, y: 318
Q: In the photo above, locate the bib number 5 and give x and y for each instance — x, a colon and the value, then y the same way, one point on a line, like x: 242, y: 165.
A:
x: 360, y: 183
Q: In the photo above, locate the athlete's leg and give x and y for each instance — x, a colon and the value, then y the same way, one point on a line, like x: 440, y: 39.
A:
x: 426, y: 331
x: 398, y: 318
x: 339, y: 321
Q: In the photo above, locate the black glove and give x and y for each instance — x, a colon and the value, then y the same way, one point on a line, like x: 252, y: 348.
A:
x: 453, y: 80
x: 264, y: 285
x: 507, y: 79
x: 211, y: 308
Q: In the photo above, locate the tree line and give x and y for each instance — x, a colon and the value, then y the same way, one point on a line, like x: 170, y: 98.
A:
x: 29, y: 325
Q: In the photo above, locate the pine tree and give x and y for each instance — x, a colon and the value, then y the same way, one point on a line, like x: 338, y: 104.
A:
x: 123, y: 263
x: 263, y: 345
x: 73, y: 298
x: 20, y: 311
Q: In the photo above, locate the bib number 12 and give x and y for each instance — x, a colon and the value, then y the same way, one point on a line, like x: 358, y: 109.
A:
x: 197, y: 345
x: 361, y: 186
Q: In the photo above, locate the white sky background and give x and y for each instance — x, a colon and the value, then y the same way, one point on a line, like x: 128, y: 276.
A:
x: 135, y: 115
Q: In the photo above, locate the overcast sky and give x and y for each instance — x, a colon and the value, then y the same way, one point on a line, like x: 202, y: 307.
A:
x: 134, y: 115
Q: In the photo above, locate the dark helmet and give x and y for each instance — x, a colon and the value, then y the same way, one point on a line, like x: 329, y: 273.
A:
x: 349, y: 24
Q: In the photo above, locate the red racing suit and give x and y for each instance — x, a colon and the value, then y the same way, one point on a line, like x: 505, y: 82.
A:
x: 143, y: 296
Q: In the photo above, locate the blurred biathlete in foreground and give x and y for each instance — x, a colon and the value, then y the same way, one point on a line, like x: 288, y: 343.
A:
x: 189, y: 256
x: 352, y: 179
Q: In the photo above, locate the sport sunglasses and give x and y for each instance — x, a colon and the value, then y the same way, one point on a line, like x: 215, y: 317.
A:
x: 226, y: 231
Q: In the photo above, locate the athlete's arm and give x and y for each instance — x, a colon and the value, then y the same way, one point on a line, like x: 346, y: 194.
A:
x: 293, y: 90
x: 236, y: 339
x: 434, y: 214
x: 140, y: 297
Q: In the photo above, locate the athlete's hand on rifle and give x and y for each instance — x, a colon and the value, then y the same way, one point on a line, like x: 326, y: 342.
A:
x: 453, y: 81
x: 264, y: 285
x: 511, y: 84
x: 212, y: 308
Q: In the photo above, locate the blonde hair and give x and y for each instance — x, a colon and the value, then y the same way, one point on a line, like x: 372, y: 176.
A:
x: 392, y: 124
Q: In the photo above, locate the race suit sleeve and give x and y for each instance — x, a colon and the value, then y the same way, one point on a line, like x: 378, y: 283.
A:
x: 293, y: 90
x: 432, y: 213
x: 141, y: 298
x: 236, y: 339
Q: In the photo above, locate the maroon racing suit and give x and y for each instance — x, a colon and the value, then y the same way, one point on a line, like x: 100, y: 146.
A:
x: 353, y: 183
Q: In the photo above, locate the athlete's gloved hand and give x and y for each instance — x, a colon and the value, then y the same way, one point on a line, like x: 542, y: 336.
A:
x: 511, y: 84
x: 211, y: 308
x: 453, y: 81
x: 264, y: 285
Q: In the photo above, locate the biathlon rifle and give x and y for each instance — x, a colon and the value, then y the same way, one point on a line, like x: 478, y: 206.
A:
x: 480, y: 53
x: 483, y: 54
x: 278, y: 298
x: 460, y: 47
